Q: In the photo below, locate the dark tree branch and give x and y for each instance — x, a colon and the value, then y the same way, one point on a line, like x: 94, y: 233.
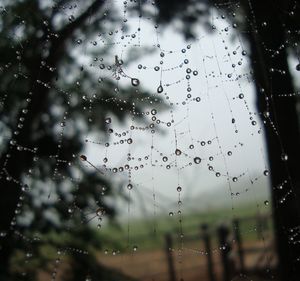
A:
x: 91, y: 10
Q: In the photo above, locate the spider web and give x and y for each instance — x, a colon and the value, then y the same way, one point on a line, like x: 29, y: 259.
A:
x: 198, y: 147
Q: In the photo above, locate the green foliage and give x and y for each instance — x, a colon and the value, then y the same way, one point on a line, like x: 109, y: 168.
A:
x: 186, y: 15
x: 60, y: 253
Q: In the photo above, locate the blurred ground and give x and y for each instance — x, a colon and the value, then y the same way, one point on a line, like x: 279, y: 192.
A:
x: 148, y: 259
x: 191, y: 266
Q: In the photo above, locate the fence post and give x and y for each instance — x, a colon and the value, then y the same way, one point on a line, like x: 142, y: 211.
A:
x: 225, y: 249
x: 259, y: 226
x: 238, y: 239
x: 206, y: 239
x: 169, y: 249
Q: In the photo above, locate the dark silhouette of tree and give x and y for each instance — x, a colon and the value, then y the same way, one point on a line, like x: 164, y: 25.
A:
x: 44, y: 90
x: 272, y: 30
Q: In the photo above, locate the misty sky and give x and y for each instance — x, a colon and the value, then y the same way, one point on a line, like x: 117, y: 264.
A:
x: 223, y: 126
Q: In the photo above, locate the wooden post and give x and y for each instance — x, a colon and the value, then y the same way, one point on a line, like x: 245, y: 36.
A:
x: 206, y: 240
x: 238, y: 239
x: 259, y: 226
x: 169, y: 249
x: 225, y: 249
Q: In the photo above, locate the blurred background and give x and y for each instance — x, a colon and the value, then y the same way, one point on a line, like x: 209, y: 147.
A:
x: 149, y: 140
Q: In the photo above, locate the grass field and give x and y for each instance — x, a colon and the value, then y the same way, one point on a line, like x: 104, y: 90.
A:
x: 149, y: 233
x: 137, y: 248
x: 149, y: 261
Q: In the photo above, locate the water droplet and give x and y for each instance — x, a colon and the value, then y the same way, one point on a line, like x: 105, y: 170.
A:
x: 160, y: 89
x: 99, y: 212
x: 234, y: 179
x: 197, y: 160
x: 298, y: 67
x: 135, y: 82
x: 284, y: 157
x: 28, y: 255
x: 178, y: 152
x: 179, y: 188
x: 135, y: 248
x: 129, y: 141
x: 165, y: 159
x: 108, y: 120
x: 266, y: 202
x: 171, y: 214
x: 83, y: 157
x: 71, y: 18
x: 266, y: 172
x: 153, y: 111
x: 129, y: 186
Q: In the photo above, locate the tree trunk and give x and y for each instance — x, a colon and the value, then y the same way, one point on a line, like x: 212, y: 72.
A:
x: 16, y: 162
x: 267, y: 34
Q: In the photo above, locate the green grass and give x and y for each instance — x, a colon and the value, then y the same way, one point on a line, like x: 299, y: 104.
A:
x: 149, y: 233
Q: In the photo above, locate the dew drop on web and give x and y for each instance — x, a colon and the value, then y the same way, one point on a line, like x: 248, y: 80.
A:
x: 135, y: 82
x: 160, y: 89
